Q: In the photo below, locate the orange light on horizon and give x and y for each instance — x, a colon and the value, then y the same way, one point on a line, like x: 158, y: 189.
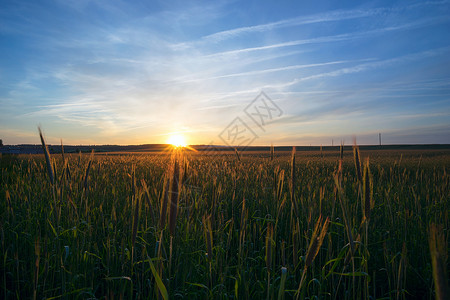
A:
x: 177, y: 140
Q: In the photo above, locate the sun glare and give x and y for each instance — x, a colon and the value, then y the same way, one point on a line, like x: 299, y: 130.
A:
x: 177, y: 141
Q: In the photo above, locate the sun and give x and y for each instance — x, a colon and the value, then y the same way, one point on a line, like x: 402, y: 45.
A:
x: 177, y: 140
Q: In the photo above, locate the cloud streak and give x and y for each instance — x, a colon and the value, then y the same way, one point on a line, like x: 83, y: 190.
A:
x: 332, y: 38
x: 318, y: 18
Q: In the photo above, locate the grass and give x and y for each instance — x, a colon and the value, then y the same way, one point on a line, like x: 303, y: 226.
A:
x: 234, y: 225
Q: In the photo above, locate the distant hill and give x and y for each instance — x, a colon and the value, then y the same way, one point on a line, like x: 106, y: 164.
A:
x: 36, y: 149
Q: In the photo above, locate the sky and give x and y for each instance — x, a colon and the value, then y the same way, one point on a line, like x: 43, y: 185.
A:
x: 225, y: 72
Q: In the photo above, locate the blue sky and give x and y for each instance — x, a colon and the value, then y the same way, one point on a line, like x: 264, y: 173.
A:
x: 135, y: 72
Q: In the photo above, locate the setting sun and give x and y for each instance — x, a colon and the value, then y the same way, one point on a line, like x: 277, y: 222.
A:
x: 177, y: 141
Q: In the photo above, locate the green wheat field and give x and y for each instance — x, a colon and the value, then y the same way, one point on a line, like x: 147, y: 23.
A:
x: 182, y: 224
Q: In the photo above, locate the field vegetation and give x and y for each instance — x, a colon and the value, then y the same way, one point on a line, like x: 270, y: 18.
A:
x: 265, y: 225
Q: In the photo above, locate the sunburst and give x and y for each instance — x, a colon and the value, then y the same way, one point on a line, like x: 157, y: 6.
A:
x: 177, y: 141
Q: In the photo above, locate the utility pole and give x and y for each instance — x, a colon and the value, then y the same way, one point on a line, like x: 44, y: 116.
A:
x: 379, y: 138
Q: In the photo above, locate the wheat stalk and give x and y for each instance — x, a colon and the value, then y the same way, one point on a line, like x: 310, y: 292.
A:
x: 208, y: 235
x: 164, y: 201
x: 283, y: 282
x: 269, y: 241
x: 368, y: 190
x: 238, y: 156
x: 439, y: 257
x: 357, y: 159
x: 272, y: 152
x: 136, y: 215
x: 62, y: 151
x: 317, y: 239
x: 175, y: 193
x: 86, y: 176
x: 37, y: 252
x: 293, y: 177
x: 147, y: 198
x: 50, y: 171
x: 47, y: 158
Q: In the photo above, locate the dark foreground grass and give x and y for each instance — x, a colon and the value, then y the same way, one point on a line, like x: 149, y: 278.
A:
x: 240, y: 226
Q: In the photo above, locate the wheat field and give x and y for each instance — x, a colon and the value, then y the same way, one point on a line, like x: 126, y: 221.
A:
x: 191, y: 225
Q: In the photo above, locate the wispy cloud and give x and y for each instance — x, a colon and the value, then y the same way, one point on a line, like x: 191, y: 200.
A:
x: 317, y: 18
x: 365, y: 67
x: 272, y: 70
x: 331, y: 16
x: 332, y: 38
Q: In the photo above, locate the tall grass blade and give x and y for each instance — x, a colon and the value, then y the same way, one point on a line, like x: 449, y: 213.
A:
x: 147, y: 200
x: 161, y: 287
x: 272, y: 152
x: 175, y: 193
x: 238, y: 156
x: 368, y: 190
x: 293, y: 179
x: 135, y: 221
x: 47, y: 158
x: 282, y: 283
x: 164, y: 203
x: 439, y: 256
x: 86, y: 174
x: 357, y: 159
